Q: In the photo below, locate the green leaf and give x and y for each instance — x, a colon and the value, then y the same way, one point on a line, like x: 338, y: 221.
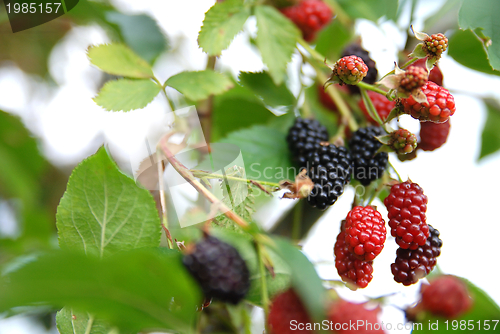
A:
x: 73, y: 322
x: 200, y: 85
x: 274, y: 96
x: 246, y: 248
x: 305, y: 280
x: 276, y: 39
x: 238, y: 196
x: 490, y: 138
x: 482, y: 16
x: 265, y: 152
x: 370, y: 9
x: 466, y: 48
x: 126, y: 94
x: 136, y: 291
x: 484, y: 309
x: 103, y: 211
x: 118, y: 59
x: 221, y: 24
x: 240, y: 101
x: 140, y: 33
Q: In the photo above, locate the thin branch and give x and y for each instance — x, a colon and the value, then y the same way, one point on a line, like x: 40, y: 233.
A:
x: 188, y: 176
x: 367, y: 86
x: 163, y: 202
x: 203, y: 174
x: 263, y: 282
x: 370, y: 107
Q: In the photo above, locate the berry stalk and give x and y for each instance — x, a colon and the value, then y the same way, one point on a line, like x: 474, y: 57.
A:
x: 367, y: 86
x: 369, y: 106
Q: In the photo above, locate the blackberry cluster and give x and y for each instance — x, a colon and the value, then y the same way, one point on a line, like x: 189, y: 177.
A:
x: 304, y: 138
x: 406, y: 206
x: 368, y: 164
x: 412, y: 265
x: 330, y: 170
x: 350, y: 269
x: 356, y: 50
x: 219, y: 269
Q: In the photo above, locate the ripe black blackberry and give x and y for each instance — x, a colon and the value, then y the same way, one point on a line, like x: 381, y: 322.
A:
x: 219, y: 269
x: 368, y: 165
x: 412, y: 265
x: 330, y: 170
x: 304, y: 137
x: 357, y: 50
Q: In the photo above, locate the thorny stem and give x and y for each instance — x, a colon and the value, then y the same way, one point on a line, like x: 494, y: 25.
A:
x: 263, y: 282
x: 164, y: 90
x: 297, y: 220
x: 332, y: 92
x: 367, y: 86
x: 164, y: 222
x: 339, y: 101
x: 370, y: 107
x: 202, y: 174
x: 188, y: 176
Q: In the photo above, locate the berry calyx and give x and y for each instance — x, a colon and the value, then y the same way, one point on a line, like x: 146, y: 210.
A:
x: 342, y: 314
x: 382, y: 105
x: 330, y: 170
x: 304, y: 138
x: 351, y: 270
x: 403, y: 141
x: 219, y: 269
x: 356, y: 49
x: 310, y: 16
x: 433, y: 135
x: 285, y: 308
x: 348, y: 70
x: 412, y: 265
x: 446, y: 296
x: 435, y: 45
x: 406, y: 206
x: 414, y: 78
x: 365, y: 232
x: 439, y: 107
x: 368, y: 164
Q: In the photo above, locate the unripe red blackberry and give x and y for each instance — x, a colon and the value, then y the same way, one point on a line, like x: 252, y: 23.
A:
x: 365, y: 232
x: 350, y: 269
x: 368, y: 164
x: 406, y: 206
x: 285, y: 308
x: 414, y: 78
x: 433, y: 135
x: 219, y: 269
x: 310, y: 16
x: 330, y: 170
x: 382, y: 105
x: 345, y: 317
x: 435, y: 75
x: 403, y: 141
x: 304, y: 138
x: 355, y: 49
x: 446, y: 296
x: 349, y: 70
x: 439, y: 107
x: 412, y: 265
x: 435, y: 45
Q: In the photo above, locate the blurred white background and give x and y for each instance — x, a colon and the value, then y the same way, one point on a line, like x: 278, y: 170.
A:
x: 462, y: 193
